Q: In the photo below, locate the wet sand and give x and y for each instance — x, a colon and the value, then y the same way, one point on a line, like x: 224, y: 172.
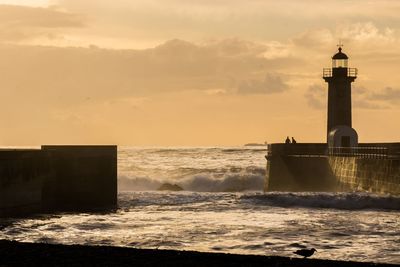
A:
x: 38, y: 254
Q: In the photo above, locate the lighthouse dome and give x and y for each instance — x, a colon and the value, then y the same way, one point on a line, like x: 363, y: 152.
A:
x: 340, y: 55
x: 340, y: 60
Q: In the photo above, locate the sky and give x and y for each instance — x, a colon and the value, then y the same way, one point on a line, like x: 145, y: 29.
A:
x: 192, y: 73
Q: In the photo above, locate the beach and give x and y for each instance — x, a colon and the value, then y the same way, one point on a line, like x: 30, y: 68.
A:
x: 38, y: 254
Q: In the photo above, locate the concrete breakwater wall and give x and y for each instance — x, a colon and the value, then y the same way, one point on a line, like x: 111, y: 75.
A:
x: 299, y: 173
x: 57, y: 178
x: 309, y: 168
x: 363, y: 174
x: 80, y: 177
x: 300, y: 167
x: 21, y: 176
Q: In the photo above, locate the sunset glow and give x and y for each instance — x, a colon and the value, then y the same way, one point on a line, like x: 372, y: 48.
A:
x: 188, y: 73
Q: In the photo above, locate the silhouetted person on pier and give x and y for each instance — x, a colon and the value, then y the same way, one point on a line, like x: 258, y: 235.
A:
x: 293, y: 141
x: 287, y: 140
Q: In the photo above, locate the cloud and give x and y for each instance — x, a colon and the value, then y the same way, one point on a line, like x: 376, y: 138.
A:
x: 272, y: 83
x: 366, y: 104
x: 359, y: 90
x: 76, y: 92
x: 155, y: 21
x: 388, y: 94
x: 18, y: 23
x: 67, y: 76
x: 316, y: 96
x: 364, y: 98
x: 366, y: 32
x: 314, y: 38
x: 361, y: 40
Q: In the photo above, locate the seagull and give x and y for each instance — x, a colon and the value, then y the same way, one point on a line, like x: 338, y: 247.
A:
x: 305, y: 252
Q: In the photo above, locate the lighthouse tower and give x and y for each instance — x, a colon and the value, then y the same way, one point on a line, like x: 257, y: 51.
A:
x: 339, y: 78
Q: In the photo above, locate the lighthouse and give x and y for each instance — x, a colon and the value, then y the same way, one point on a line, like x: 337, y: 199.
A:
x: 339, y: 78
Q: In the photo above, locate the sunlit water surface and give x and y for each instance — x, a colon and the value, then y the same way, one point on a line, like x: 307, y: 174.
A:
x: 345, y: 226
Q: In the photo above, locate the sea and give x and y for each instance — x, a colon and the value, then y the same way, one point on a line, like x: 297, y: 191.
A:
x: 223, y: 209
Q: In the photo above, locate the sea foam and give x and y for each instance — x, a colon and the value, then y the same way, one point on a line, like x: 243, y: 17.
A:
x: 238, y: 180
x: 339, y: 200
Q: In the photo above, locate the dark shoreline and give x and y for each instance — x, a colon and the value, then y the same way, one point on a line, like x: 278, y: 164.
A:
x: 14, y: 253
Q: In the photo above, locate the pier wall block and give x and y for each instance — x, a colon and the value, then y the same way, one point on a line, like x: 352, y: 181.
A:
x: 22, y: 173
x: 299, y: 173
x: 298, y: 167
x: 308, y: 168
x: 80, y: 178
x: 363, y: 174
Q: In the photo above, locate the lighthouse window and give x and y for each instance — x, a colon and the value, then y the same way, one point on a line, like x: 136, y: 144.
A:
x: 339, y: 63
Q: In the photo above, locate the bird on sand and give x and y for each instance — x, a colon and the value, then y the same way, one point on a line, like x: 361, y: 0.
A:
x: 305, y: 252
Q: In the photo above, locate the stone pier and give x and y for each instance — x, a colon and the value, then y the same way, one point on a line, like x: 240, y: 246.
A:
x: 308, y: 167
x: 57, y: 178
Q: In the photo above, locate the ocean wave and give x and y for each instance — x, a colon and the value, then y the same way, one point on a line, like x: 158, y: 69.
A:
x: 345, y: 201
x: 196, y: 150
x: 228, y: 180
x: 241, y: 150
x: 229, y: 183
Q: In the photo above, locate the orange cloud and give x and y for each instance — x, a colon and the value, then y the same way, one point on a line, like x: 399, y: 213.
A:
x: 18, y: 23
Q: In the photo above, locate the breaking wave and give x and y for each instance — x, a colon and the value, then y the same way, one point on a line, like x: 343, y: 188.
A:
x: 345, y: 201
x: 233, y: 180
x: 204, y: 169
x: 265, y: 201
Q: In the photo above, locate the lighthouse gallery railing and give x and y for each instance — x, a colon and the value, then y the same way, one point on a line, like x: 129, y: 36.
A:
x: 359, y: 152
x: 351, y: 72
x: 321, y: 150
